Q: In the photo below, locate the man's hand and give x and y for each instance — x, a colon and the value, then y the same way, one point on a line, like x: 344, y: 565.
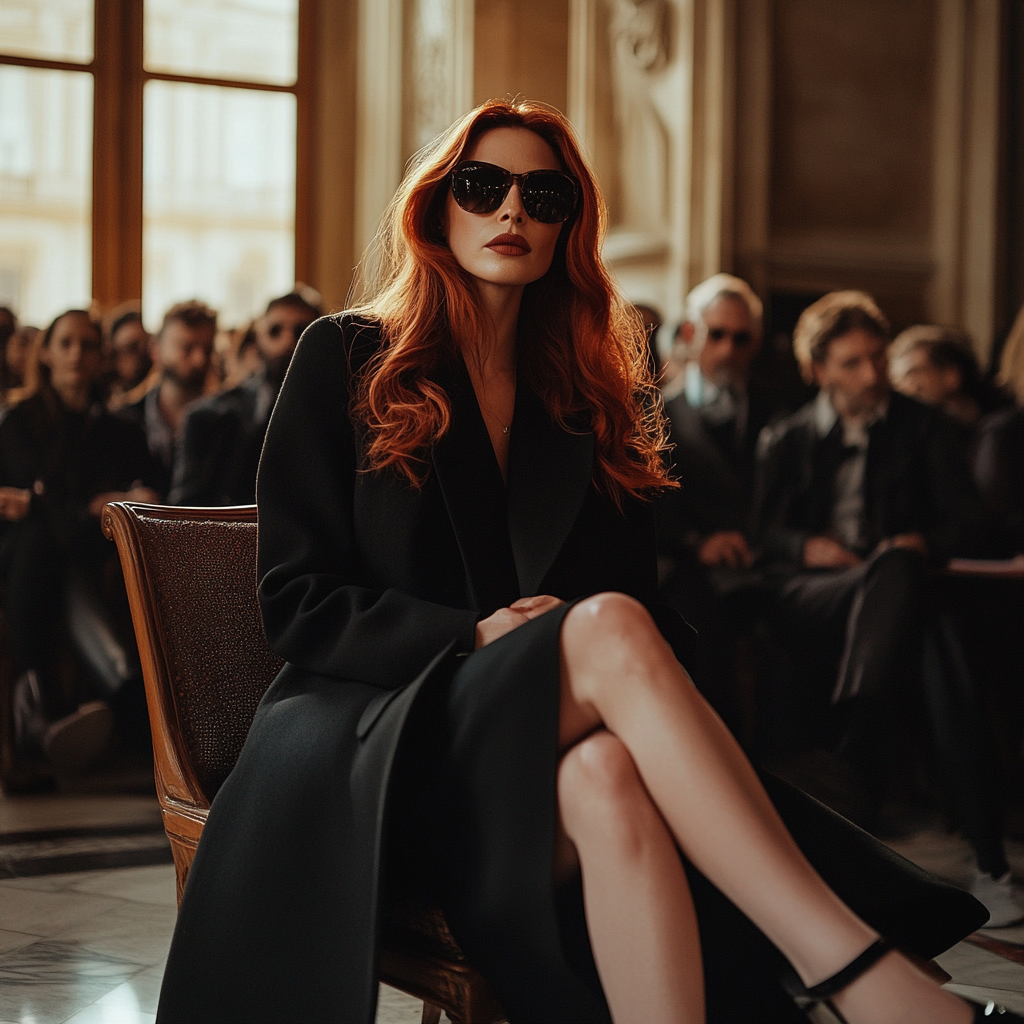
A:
x: 911, y: 541
x: 14, y: 503
x: 504, y: 620
x: 826, y: 553
x: 728, y: 548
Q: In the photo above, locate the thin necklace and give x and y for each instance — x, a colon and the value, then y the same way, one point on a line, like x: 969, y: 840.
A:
x: 484, y: 407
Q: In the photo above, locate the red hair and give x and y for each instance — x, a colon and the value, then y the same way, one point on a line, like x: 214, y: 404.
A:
x: 583, y: 349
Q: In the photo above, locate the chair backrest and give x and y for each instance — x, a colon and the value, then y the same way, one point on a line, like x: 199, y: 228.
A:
x: 191, y: 580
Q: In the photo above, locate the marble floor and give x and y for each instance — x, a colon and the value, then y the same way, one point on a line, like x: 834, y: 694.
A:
x: 88, y: 947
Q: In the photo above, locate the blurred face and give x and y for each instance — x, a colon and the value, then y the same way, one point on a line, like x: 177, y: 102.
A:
x: 73, y: 356
x: 130, y: 352
x: 914, y: 374
x: 184, y: 353
x: 506, y: 248
x: 278, y: 332
x: 728, y: 340
x: 854, y: 372
x: 16, y: 353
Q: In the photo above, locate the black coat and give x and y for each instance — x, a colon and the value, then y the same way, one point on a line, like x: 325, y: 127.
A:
x: 67, y: 459
x: 371, y: 590
x: 916, y: 480
x: 715, y: 470
x: 218, y: 453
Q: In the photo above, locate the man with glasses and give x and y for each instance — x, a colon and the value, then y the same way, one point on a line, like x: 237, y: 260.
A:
x: 716, y: 413
x: 222, y: 437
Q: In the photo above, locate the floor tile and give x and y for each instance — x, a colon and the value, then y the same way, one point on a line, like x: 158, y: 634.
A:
x: 45, y: 913
x: 141, y: 992
x: 15, y: 940
x: 395, y: 1007
x: 970, y: 965
x: 152, y: 884
x: 138, y: 932
x: 42, y: 811
x: 104, y: 1013
x: 49, y: 981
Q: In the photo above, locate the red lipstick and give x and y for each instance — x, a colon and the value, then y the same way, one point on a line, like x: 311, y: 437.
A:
x: 508, y: 244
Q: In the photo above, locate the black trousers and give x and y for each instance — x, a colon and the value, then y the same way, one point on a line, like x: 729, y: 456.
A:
x: 864, y: 638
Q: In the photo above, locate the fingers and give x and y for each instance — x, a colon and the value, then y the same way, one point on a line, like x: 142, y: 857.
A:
x: 533, y: 607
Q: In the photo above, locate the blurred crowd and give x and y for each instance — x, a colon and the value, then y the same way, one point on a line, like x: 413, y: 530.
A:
x: 93, y: 412
x: 812, y: 521
x: 817, y: 537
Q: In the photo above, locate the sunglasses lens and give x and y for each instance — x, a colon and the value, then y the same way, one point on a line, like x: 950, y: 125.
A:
x: 549, y: 196
x: 480, y: 188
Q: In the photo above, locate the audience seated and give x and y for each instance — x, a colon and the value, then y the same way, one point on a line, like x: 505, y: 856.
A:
x: 222, y: 437
x: 716, y: 413
x: 856, y: 493
x: 15, y: 343
x: 182, y: 352
x: 937, y: 366
x: 998, y: 461
x: 128, y: 352
x: 62, y: 457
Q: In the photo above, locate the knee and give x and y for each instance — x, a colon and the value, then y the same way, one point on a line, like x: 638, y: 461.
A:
x: 601, y: 795
x: 610, y: 619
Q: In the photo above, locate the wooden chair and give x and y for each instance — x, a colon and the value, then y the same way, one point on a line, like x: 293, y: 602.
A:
x: 191, y: 579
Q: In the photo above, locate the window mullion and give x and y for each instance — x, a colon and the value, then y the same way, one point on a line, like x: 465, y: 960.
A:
x: 117, y: 153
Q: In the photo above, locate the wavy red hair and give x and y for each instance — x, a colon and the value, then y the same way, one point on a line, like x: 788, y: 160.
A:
x: 583, y: 349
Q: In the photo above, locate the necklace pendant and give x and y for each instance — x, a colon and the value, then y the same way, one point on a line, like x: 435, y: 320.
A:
x: 505, y: 430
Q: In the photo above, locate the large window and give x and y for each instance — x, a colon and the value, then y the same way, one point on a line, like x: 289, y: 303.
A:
x: 148, y: 150
x: 46, y: 157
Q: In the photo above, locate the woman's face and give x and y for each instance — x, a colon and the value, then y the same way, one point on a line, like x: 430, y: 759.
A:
x: 479, y: 240
x: 73, y: 355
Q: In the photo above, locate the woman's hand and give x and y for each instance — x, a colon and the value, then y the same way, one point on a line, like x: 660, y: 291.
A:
x: 504, y: 620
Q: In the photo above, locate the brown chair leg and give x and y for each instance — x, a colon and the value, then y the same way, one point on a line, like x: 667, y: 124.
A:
x: 431, y: 1014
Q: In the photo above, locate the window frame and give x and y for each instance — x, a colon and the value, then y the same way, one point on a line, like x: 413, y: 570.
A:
x: 119, y: 78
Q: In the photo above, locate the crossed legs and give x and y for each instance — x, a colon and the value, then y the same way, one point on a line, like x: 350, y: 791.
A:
x: 647, y: 766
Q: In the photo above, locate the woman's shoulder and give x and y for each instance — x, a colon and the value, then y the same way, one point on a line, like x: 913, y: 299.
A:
x: 351, y: 337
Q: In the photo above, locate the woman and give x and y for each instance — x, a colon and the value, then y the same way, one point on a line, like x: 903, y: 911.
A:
x: 62, y: 457
x: 457, y: 559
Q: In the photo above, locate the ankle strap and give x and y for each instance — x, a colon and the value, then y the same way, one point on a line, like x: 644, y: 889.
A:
x: 851, y: 972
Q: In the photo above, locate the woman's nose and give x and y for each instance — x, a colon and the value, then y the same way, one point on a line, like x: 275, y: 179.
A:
x: 512, y: 208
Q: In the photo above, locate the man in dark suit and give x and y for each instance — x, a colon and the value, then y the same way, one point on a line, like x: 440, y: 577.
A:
x: 181, y: 350
x: 222, y: 438
x: 716, y: 412
x: 856, y: 493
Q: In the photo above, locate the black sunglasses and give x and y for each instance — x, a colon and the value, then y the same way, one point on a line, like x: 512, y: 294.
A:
x: 548, y: 196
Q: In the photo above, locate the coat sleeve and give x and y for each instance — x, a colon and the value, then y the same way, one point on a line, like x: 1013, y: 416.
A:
x: 316, y: 612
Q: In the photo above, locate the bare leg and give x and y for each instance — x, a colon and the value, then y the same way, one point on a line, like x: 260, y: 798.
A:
x: 617, y: 671
x: 640, y: 916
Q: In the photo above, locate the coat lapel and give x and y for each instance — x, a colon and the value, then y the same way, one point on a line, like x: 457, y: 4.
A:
x: 474, y: 495
x: 549, y: 475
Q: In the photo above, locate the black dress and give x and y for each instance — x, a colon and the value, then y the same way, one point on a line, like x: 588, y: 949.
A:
x: 384, y: 716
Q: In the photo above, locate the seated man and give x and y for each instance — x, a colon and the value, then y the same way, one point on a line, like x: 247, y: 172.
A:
x: 716, y: 413
x: 222, y: 438
x: 937, y: 366
x: 182, y: 351
x: 856, y: 492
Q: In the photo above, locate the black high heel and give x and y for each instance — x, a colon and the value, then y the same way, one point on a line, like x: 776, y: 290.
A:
x: 822, y: 993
